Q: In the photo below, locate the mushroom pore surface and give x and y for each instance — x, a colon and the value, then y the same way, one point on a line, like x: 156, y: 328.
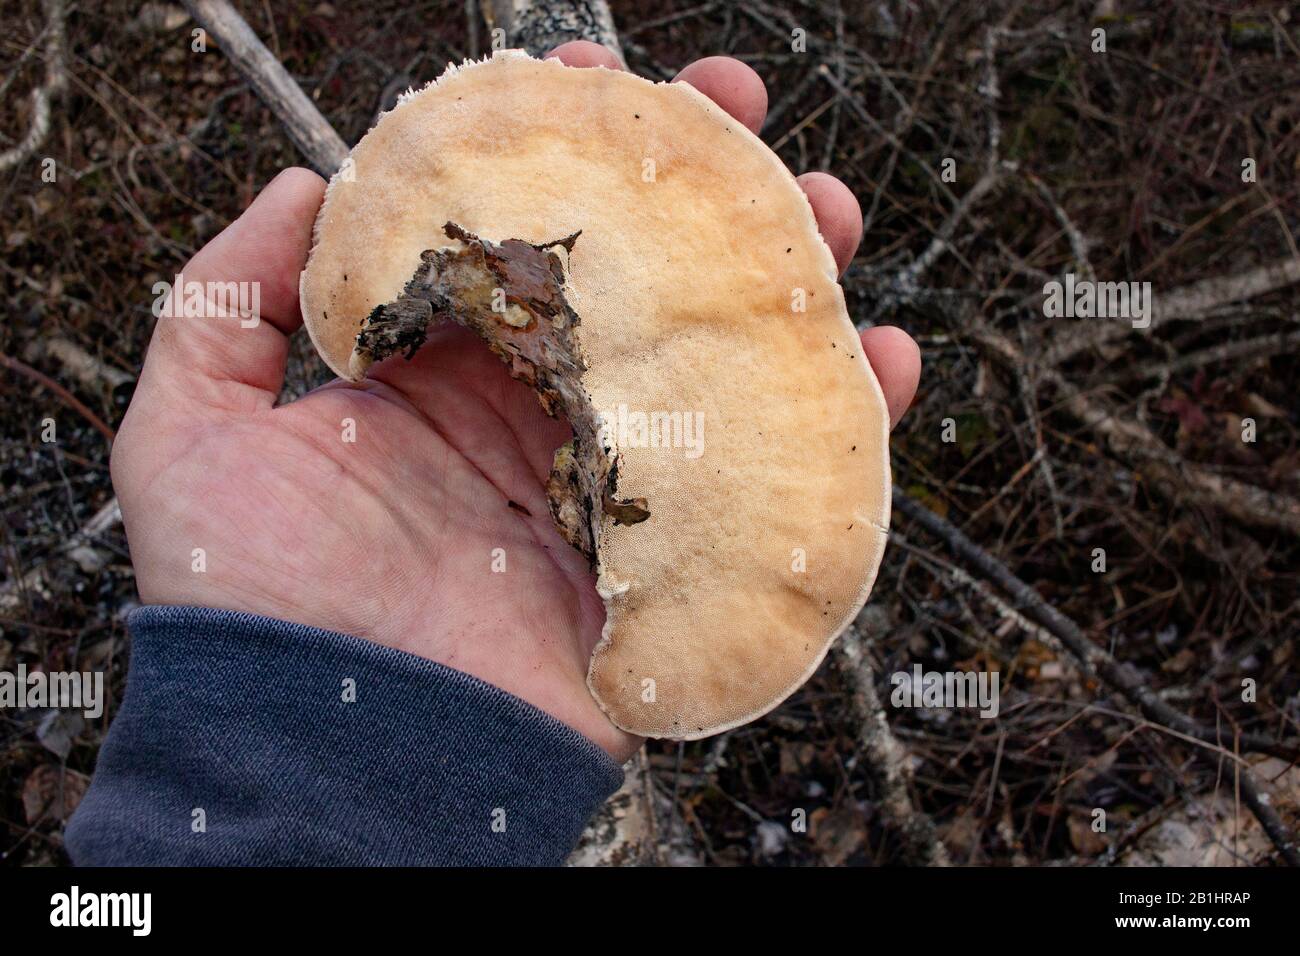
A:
x: 656, y: 273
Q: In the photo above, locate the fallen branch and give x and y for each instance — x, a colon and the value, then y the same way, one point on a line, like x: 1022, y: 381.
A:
x: 1277, y: 343
x: 1096, y: 660
x: 309, y: 130
x: 43, y: 97
x: 539, y: 26
x: 1078, y: 242
x: 1193, y: 301
x: 1115, y: 674
x: 1168, y: 473
x: 87, y: 369
x: 887, y: 759
x: 909, y: 278
x: 625, y: 831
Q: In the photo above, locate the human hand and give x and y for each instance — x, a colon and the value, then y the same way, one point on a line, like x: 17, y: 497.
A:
x: 388, y: 537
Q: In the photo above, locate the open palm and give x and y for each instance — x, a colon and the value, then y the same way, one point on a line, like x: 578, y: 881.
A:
x: 408, y: 509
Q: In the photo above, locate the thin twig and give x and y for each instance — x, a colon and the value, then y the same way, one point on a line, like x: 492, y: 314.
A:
x: 76, y: 404
x: 35, y: 580
x: 1098, y: 660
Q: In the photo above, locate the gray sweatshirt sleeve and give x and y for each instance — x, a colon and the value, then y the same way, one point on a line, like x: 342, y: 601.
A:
x: 244, y: 740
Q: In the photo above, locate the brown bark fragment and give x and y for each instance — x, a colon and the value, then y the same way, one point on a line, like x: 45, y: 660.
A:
x: 512, y: 294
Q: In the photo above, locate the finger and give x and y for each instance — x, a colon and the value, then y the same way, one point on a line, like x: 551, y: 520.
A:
x: 732, y: 85
x: 839, y: 217
x: 584, y: 53
x: 896, y: 360
x: 237, y: 300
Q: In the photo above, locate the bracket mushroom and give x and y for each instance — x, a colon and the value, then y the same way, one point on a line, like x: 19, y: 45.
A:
x: 656, y: 273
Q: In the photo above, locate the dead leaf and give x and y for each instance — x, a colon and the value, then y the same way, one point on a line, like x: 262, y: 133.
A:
x: 1180, y: 662
x: 796, y: 758
x: 57, y: 729
x: 1261, y: 407
x: 1214, y: 830
x: 838, y: 834
x: 961, y: 836
x: 1085, y: 840
x: 52, y: 791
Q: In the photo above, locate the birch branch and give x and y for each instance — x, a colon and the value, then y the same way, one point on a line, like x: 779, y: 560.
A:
x: 1168, y: 473
x: 1193, y: 301
x: 323, y: 148
x: 539, y: 26
x: 887, y: 759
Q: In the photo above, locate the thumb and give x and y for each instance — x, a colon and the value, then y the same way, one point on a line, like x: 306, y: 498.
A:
x: 225, y: 318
